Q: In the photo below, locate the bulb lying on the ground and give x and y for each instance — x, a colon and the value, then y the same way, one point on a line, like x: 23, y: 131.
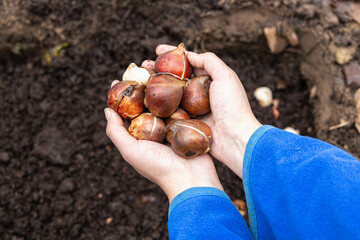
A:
x: 195, y: 100
x: 135, y: 73
x: 174, y: 62
x: 127, y: 98
x: 292, y: 130
x: 178, y: 114
x: 147, y: 127
x: 189, y: 137
x: 264, y: 96
x: 163, y: 94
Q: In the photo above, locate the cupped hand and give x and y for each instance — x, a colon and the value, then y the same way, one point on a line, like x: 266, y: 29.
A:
x: 158, y: 163
x: 231, y: 119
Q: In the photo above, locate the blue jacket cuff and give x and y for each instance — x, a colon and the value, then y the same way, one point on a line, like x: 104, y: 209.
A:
x: 246, y: 181
x: 195, y: 192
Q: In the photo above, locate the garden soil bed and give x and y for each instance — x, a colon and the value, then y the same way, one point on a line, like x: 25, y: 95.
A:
x: 61, y: 177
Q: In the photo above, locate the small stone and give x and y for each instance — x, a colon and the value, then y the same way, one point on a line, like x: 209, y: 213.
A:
x: 67, y: 185
x: 275, y: 42
x: 292, y: 38
x: 4, y: 157
x: 344, y: 54
x: 109, y: 220
x: 352, y: 73
x: 147, y: 198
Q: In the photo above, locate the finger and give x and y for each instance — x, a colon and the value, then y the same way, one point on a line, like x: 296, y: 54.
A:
x: 118, y: 134
x: 163, y: 48
x: 212, y: 64
x: 199, y: 72
x: 114, y: 82
x: 148, y: 64
x: 207, y: 118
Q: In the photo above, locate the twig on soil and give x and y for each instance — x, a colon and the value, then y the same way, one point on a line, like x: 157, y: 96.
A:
x: 340, y: 125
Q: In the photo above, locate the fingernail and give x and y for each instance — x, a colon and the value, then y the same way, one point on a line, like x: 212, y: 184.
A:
x: 107, y: 113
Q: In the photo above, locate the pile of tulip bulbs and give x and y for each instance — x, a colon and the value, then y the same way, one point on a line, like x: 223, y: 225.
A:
x: 163, y: 104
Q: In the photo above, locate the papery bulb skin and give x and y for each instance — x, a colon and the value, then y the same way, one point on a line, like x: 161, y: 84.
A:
x: 137, y: 74
x: 127, y: 98
x: 174, y: 62
x: 163, y: 94
x: 195, y: 100
x: 147, y: 127
x: 189, y: 137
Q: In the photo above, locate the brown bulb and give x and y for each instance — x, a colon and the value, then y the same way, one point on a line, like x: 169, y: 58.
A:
x: 178, y: 114
x: 147, y: 127
x: 175, y: 62
x: 189, y: 137
x: 127, y: 98
x: 163, y: 94
x: 195, y: 100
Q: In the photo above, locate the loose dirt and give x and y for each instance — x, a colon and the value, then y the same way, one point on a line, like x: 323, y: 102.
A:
x: 61, y: 177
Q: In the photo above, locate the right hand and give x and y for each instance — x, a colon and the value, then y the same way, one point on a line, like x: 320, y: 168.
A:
x: 231, y: 119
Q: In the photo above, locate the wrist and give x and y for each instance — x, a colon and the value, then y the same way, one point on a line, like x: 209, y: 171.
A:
x: 236, y: 144
x: 199, y: 173
x: 172, y: 192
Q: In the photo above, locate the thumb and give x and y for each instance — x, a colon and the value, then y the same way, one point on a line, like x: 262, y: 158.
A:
x: 117, y: 133
x: 212, y: 64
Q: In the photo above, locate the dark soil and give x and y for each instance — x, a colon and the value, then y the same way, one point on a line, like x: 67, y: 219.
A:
x: 61, y: 177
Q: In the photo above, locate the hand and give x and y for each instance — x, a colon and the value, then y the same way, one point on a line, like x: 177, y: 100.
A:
x: 231, y: 118
x: 158, y: 162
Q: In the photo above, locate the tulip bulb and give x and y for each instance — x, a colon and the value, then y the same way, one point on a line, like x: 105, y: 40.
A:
x: 127, y: 98
x: 178, y: 114
x: 195, y: 100
x: 147, y: 127
x: 174, y: 62
x: 264, y: 96
x: 292, y: 130
x: 135, y: 73
x: 189, y: 137
x: 163, y: 94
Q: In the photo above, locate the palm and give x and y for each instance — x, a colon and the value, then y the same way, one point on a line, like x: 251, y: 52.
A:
x: 162, y: 161
x: 155, y: 156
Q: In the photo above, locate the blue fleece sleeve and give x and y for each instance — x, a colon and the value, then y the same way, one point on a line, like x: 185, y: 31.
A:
x: 300, y: 188
x: 205, y: 213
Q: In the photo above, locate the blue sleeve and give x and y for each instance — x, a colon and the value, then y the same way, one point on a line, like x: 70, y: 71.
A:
x: 300, y: 188
x: 205, y: 213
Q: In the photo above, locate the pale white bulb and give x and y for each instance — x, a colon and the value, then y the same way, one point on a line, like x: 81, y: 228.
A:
x: 264, y: 96
x: 292, y: 130
x: 135, y: 73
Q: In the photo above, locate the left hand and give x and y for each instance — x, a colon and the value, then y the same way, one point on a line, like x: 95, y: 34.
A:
x: 158, y: 162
